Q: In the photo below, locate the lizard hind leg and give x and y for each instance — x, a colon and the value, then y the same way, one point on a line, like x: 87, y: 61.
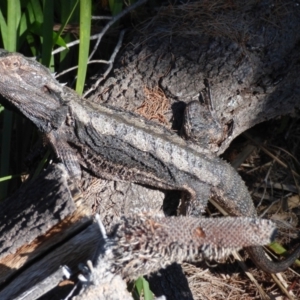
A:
x: 194, y: 198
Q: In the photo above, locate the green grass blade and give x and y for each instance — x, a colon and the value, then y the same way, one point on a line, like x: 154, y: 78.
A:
x: 85, y: 32
x: 35, y: 15
x: 47, y: 32
x: 13, y: 18
x: 57, y: 40
x: 9, y: 177
x: 66, y: 21
x: 30, y: 20
x: 22, y: 30
x: 69, y: 14
x: 30, y: 13
x: 139, y: 285
x: 278, y: 249
x: 3, y: 30
x: 23, y: 24
x: 115, y: 6
x: 37, y: 10
x: 148, y: 295
x: 142, y: 289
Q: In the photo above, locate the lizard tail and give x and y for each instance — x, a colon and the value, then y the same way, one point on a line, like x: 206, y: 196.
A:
x: 259, y: 257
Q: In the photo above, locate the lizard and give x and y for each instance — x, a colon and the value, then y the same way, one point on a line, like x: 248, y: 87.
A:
x: 115, y: 144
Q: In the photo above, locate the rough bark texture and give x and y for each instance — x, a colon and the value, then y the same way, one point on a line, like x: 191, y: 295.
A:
x: 247, y: 51
x: 78, y: 249
x: 37, y: 218
x: 37, y: 209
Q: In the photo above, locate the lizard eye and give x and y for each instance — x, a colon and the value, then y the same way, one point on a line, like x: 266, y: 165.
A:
x: 53, y: 93
x: 46, y: 89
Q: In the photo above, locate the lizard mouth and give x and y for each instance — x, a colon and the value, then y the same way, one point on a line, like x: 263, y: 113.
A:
x: 31, y: 88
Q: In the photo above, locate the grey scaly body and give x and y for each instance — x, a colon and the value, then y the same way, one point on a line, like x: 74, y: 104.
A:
x: 118, y: 145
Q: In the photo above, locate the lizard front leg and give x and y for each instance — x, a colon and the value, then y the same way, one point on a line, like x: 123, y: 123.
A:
x: 65, y: 153
x: 201, y: 125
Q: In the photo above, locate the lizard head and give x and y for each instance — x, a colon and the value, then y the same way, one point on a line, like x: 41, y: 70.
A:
x: 31, y: 88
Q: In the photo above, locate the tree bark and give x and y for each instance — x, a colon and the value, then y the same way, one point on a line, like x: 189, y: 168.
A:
x: 37, y: 218
x: 246, y: 51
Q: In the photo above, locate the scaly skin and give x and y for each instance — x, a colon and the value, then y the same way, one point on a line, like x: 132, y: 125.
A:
x: 118, y: 145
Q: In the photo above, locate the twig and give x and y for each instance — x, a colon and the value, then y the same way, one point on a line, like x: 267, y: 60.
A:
x: 269, y: 153
x: 97, y: 61
x: 110, y: 63
x: 113, y: 20
x: 281, y: 286
x: 101, y: 18
x: 99, y: 36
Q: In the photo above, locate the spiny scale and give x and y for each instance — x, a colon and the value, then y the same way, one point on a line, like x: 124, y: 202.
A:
x: 144, y: 243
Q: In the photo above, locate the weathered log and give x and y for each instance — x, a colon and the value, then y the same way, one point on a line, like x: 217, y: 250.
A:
x: 76, y: 250
x: 246, y: 52
x: 41, y: 288
x: 37, y: 217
